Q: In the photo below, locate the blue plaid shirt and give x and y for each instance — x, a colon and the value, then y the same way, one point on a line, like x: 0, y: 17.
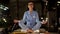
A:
x: 31, y: 19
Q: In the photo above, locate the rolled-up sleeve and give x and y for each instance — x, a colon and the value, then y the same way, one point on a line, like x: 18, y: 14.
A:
x: 24, y: 18
x: 37, y: 18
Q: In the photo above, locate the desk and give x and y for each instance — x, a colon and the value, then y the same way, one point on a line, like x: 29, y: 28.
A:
x: 19, y: 32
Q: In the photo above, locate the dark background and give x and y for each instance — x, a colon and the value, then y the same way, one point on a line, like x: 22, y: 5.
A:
x: 18, y: 7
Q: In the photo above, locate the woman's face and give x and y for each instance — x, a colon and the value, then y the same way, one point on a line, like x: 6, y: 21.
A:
x: 30, y: 5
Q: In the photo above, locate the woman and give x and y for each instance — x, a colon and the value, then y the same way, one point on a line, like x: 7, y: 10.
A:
x: 31, y: 18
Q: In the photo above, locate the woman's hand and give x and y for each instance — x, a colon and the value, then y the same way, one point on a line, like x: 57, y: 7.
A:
x: 44, y: 22
x: 16, y: 21
x: 29, y: 31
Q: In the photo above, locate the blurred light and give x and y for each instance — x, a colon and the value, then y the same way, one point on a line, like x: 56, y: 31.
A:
x: 57, y: 4
x: 3, y: 7
x: 46, y: 2
x: 46, y: 19
x: 54, y: 8
x: 6, y: 7
x: 4, y: 20
x: 41, y: 17
x: 58, y: 1
x: 59, y: 28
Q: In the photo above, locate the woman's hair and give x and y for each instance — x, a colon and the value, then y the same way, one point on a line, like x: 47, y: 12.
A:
x: 30, y: 1
x: 33, y: 4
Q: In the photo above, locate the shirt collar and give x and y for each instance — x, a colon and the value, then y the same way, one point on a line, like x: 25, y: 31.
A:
x: 29, y: 12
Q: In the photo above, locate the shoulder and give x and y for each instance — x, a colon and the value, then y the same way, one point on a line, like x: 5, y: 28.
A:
x: 25, y: 12
x: 35, y: 12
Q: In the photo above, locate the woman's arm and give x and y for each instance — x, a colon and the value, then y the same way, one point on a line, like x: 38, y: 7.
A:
x: 23, y: 20
x: 37, y: 19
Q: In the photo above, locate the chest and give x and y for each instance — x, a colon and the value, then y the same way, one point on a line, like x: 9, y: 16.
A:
x: 31, y: 16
